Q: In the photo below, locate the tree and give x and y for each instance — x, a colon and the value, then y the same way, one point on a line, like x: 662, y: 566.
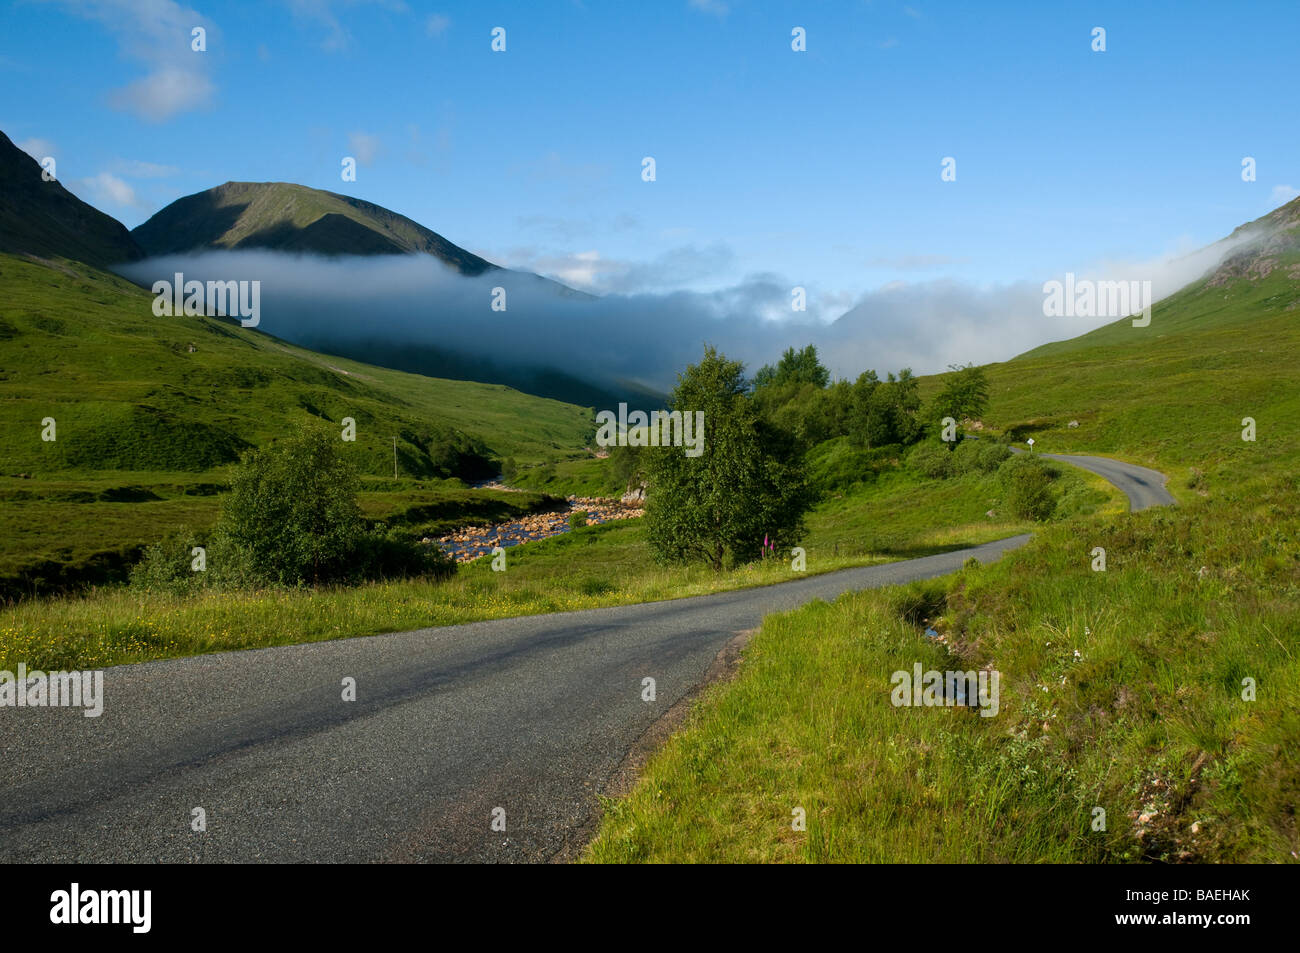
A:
x: 795, y: 367
x: 292, y: 513
x: 965, y: 393
x: 905, y: 402
x: 746, y: 485
x: 884, y: 412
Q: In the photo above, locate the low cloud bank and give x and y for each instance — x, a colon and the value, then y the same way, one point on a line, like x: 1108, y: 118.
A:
x: 415, y: 301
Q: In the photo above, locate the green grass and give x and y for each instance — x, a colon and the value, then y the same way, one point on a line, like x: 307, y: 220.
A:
x: 135, y: 407
x: 1147, y: 719
x: 580, y: 476
x: 1119, y: 689
x: 602, y: 565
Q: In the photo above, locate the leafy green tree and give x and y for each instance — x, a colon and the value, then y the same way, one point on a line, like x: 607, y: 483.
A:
x: 795, y: 367
x: 885, y: 412
x: 292, y: 514
x: 764, y: 377
x: 905, y: 403
x: 965, y: 393
x: 748, y: 483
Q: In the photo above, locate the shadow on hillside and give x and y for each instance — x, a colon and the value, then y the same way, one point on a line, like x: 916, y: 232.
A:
x: 195, y: 215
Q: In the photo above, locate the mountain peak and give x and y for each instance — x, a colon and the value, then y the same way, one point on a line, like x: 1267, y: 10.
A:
x: 44, y: 219
x: 289, y: 217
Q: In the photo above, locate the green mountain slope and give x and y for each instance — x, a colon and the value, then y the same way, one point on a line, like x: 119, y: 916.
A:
x: 1223, y: 348
x: 149, y: 412
x: 45, y: 219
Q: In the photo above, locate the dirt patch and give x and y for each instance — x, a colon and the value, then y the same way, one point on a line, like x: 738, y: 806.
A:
x: 723, y: 668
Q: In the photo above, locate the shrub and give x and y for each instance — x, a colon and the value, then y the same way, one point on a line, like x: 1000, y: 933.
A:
x: 981, y: 456
x: 933, y: 460
x: 747, y: 483
x: 292, y: 510
x: 291, y: 518
x: 577, y: 519
x: 168, y: 565
x: 387, y: 553
x: 1027, y: 487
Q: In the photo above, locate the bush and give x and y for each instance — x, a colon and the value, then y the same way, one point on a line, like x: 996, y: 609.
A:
x: 292, y: 512
x: 577, y: 519
x: 168, y: 565
x: 840, y: 463
x: 1027, y: 488
x: 384, y: 553
x: 291, y: 518
x: 933, y: 460
x: 981, y: 456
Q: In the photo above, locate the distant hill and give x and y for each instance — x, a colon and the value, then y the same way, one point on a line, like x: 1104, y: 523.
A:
x: 46, y: 220
x: 280, y: 216
x: 1174, y: 393
x: 1259, y: 271
x: 287, y: 217
x: 1269, y: 242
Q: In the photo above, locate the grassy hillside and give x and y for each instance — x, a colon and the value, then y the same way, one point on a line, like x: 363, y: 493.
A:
x: 1221, y: 349
x: 150, y: 412
x: 1126, y: 690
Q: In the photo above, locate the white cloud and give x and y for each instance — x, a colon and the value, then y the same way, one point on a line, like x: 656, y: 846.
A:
x: 322, y: 13
x: 108, y: 189
x: 156, y: 33
x: 436, y: 25
x: 136, y: 169
x: 37, y: 148
x: 364, y: 146
x: 589, y: 271
x: 164, y: 93
x: 1282, y: 194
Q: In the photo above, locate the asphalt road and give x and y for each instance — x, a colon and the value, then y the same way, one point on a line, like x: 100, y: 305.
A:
x: 530, y: 715
x: 1144, y: 488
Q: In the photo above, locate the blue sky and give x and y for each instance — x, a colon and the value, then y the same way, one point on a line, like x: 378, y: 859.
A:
x: 821, y: 168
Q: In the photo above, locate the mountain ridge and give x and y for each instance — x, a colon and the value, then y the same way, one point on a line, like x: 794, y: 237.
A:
x: 286, y: 216
x: 43, y: 219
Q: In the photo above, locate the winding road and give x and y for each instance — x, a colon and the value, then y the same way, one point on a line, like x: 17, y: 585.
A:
x: 530, y: 715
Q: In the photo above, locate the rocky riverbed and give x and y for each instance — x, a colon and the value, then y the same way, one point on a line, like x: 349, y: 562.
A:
x: 475, y: 541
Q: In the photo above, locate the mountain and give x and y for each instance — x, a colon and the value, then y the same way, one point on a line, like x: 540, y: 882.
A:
x: 1220, y: 349
x: 46, y: 220
x: 122, y: 425
x: 1261, y: 246
x: 287, y: 217
x: 281, y: 216
x: 1257, y: 272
